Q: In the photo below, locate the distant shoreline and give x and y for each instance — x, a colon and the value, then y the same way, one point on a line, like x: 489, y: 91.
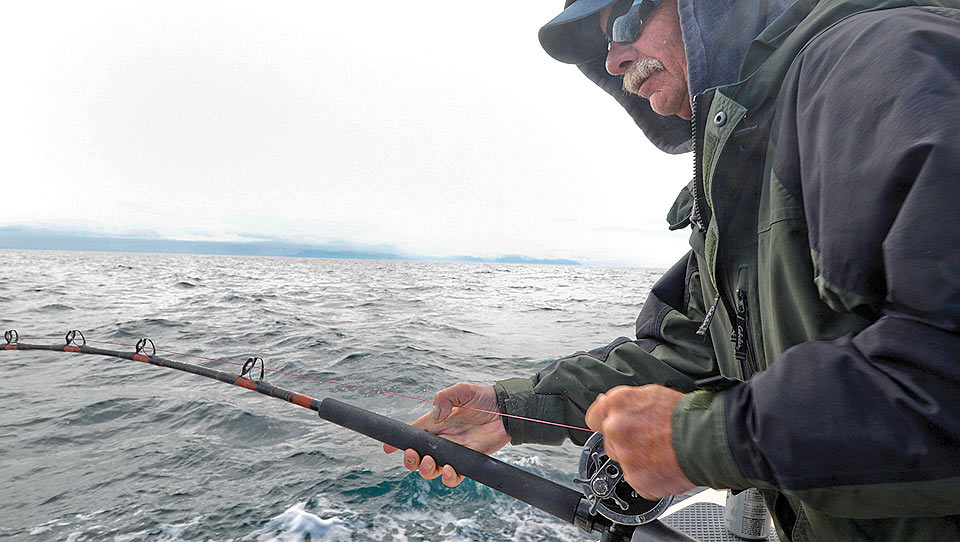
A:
x: 30, y: 239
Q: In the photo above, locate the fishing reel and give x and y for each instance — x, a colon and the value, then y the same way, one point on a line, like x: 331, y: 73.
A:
x: 607, y: 493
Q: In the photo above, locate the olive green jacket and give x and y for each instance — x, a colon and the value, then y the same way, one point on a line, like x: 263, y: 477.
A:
x: 815, y: 324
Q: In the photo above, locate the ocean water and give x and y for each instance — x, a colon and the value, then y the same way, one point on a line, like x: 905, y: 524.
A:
x: 95, y: 448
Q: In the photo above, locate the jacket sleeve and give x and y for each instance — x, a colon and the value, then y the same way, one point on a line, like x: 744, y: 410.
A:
x: 867, y: 425
x: 667, y: 351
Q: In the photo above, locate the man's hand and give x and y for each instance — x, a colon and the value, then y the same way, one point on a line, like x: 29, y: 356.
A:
x: 636, y: 427
x: 480, y: 431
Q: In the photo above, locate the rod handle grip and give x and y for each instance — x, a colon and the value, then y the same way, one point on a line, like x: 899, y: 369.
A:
x: 551, y: 497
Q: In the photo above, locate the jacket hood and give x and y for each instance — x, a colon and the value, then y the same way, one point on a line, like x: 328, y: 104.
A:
x: 716, y: 35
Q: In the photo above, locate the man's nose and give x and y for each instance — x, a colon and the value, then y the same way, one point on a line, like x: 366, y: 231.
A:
x: 619, y: 57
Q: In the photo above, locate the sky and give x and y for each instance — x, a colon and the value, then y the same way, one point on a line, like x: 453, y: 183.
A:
x: 437, y: 127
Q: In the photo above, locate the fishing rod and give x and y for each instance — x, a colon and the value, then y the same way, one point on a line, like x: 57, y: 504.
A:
x: 606, y: 504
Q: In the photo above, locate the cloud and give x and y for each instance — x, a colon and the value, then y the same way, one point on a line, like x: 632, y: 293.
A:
x: 433, y: 126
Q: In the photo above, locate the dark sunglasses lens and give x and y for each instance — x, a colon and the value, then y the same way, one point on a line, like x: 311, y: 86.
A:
x: 626, y: 27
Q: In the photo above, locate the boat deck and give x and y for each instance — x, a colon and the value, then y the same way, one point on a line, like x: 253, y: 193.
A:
x: 700, y: 516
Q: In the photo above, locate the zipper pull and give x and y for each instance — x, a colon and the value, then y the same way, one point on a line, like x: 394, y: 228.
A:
x: 739, y: 336
x: 695, y: 216
x: 702, y: 330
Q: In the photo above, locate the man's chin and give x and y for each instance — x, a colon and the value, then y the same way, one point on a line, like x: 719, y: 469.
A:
x: 665, y: 104
x: 660, y: 102
x: 661, y: 105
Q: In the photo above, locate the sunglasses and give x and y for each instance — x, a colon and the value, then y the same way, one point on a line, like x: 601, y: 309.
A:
x: 626, y: 19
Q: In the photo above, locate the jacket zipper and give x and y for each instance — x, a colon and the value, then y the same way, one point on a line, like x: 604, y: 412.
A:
x: 695, y: 215
x: 741, y: 337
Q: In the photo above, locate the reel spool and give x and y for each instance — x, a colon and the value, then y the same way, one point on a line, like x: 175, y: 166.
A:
x: 608, y: 493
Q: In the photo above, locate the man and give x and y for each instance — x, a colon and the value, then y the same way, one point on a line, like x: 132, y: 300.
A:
x: 809, y: 344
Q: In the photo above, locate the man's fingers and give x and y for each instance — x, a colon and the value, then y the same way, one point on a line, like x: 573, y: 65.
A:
x: 450, y: 477
x: 641, y: 486
x: 411, y: 459
x: 428, y: 468
x: 652, y: 487
x: 611, y: 451
x: 389, y: 449
x: 596, y: 413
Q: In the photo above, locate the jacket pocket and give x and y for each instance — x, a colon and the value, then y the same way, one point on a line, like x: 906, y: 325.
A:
x: 745, y: 345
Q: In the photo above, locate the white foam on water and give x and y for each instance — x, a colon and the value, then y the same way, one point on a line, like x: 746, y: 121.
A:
x: 531, y: 525
x: 526, y: 461
x: 295, y: 523
x: 131, y: 536
x: 84, y: 517
x: 170, y: 532
x: 521, y: 524
x: 75, y: 536
x: 395, y: 527
x: 388, y: 528
x: 44, y: 527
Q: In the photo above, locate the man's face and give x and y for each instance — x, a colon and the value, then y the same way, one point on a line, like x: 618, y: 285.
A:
x: 655, y: 65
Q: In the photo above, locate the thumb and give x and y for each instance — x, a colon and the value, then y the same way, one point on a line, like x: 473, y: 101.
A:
x: 455, y: 396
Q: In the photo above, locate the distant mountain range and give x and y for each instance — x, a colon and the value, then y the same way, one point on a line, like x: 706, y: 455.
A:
x: 37, y: 239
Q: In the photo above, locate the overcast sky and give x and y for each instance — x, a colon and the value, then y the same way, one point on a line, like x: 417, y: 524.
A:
x: 439, y: 127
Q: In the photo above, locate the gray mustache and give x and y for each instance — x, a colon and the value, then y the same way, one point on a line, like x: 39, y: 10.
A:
x: 639, y: 71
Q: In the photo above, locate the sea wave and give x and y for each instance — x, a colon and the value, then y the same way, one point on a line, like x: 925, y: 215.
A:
x: 296, y: 524
x: 95, y: 448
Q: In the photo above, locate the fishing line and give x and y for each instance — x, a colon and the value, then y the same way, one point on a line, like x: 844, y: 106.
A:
x: 602, y: 486
x: 13, y: 338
